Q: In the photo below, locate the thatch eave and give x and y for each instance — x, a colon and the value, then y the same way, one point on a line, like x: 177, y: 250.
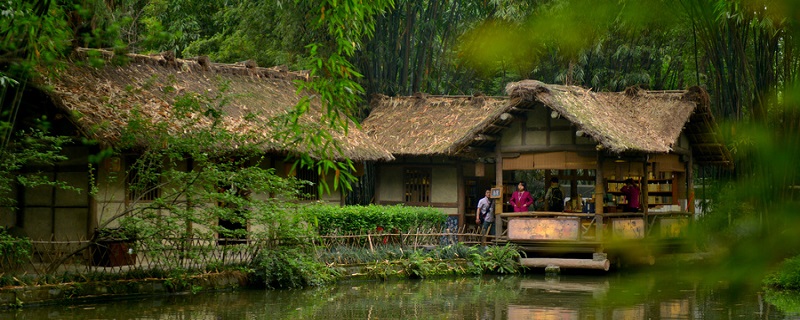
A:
x: 424, y: 125
x: 622, y: 122
x: 101, y: 101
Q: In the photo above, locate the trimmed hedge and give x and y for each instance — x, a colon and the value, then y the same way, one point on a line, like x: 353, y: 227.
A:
x: 360, y: 219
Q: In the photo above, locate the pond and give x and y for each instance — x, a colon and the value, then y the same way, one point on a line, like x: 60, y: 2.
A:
x: 530, y: 296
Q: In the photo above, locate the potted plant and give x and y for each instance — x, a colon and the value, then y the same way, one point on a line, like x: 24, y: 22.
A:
x: 113, y: 247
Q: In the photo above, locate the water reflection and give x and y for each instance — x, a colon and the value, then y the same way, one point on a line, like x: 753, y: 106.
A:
x: 614, y: 296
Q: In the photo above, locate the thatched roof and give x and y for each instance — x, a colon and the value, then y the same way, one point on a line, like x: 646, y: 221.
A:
x: 432, y: 125
x: 102, y: 100
x: 635, y: 121
x: 632, y: 121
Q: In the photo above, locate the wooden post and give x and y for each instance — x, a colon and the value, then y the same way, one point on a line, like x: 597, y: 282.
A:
x: 690, y: 184
x: 599, y: 192
x: 462, y: 211
x: 602, y: 264
x: 498, y: 206
x: 645, y: 192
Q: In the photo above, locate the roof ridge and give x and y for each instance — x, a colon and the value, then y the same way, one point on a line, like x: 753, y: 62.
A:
x: 167, y: 59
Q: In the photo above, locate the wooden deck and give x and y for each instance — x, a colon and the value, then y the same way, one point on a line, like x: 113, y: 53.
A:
x: 560, y: 232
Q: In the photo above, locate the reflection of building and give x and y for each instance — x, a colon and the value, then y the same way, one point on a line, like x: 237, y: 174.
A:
x: 543, y: 313
x: 581, y: 299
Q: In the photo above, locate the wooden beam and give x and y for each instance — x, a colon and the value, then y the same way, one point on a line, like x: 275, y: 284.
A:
x: 476, y: 150
x: 566, y: 263
x: 497, y: 127
x: 553, y: 148
x: 485, y: 137
x: 709, y: 145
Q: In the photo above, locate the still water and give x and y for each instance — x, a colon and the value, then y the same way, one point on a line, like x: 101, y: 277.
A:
x: 532, y: 296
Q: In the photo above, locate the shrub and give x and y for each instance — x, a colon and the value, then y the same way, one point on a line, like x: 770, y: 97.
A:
x: 360, y: 219
x: 787, y: 276
x: 14, y: 251
x: 497, y: 259
x: 286, y: 268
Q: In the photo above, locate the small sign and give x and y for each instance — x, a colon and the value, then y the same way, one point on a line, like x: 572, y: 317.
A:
x: 496, y: 194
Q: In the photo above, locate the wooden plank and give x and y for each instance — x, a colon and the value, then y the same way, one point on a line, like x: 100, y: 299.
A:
x: 566, y: 263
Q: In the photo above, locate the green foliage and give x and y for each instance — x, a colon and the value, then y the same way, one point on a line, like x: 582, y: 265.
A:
x: 785, y: 301
x: 286, y: 268
x: 421, y: 266
x: 359, y: 219
x: 14, y: 251
x: 333, y: 80
x: 497, y: 259
x: 31, y: 32
x: 34, y: 147
x: 180, y: 187
x: 349, y: 255
x: 787, y: 276
x: 382, y: 270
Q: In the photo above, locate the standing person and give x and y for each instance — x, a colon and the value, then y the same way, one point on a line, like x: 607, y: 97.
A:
x: 521, y: 199
x: 631, y: 192
x: 485, y: 213
x: 554, y: 199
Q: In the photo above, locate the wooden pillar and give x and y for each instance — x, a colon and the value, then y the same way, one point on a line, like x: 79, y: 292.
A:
x: 92, y: 222
x: 690, y: 184
x: 599, y: 192
x: 644, y: 188
x: 461, y: 195
x: 498, y: 206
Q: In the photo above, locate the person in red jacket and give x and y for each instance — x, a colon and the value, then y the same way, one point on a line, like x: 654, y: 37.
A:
x: 631, y: 192
x: 521, y: 199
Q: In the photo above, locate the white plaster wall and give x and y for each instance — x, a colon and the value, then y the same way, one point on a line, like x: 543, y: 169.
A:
x: 683, y: 141
x: 537, y: 118
x: 7, y: 217
x: 110, y: 198
x: 391, y: 183
x: 513, y: 135
x: 38, y: 223
x: 561, y: 137
x: 39, y: 196
x: 71, y: 224
x: 584, y: 140
x: 71, y: 197
x: 444, y: 184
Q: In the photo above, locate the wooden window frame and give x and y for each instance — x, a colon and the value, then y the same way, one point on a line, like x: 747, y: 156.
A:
x: 308, y: 192
x: 417, y: 186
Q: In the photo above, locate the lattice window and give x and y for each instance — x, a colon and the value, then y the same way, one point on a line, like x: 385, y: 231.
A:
x: 140, y: 187
x: 308, y: 191
x: 417, y: 186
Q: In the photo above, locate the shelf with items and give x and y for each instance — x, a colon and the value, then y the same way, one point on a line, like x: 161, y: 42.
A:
x: 660, y: 191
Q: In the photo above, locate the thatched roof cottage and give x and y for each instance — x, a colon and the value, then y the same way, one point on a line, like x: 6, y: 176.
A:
x: 100, y: 102
x: 449, y: 148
